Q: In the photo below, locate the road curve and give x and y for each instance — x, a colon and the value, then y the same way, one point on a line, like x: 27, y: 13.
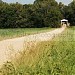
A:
x: 10, y: 47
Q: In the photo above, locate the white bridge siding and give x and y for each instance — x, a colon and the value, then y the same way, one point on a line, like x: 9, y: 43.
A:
x: 64, y: 22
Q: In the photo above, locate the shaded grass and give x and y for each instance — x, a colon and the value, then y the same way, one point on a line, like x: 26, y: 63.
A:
x: 55, y: 57
x: 19, y: 32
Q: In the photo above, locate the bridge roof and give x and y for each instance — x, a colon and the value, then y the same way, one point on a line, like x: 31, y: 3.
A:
x: 64, y: 20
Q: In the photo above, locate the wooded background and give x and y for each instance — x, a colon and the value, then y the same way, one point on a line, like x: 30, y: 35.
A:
x: 42, y: 13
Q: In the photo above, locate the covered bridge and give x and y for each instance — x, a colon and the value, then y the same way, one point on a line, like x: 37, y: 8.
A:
x: 65, y: 22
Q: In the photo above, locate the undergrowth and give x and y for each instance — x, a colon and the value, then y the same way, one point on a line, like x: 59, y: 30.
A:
x: 55, y: 57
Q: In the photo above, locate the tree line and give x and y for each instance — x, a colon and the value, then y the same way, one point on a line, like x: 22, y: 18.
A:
x: 42, y: 13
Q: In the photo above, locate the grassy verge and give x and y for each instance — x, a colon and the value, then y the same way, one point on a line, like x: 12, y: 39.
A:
x: 55, y: 57
x: 12, y: 33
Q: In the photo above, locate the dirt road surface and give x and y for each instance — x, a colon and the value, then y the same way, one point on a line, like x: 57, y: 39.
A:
x: 11, y: 47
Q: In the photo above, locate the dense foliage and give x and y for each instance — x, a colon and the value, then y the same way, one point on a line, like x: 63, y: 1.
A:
x: 71, y: 15
x: 69, y: 12
x: 39, y: 14
x: 42, y: 13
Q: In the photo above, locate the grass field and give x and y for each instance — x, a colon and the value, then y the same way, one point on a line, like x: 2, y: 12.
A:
x: 12, y: 33
x: 55, y: 57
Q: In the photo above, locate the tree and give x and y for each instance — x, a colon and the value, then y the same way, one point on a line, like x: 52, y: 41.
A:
x: 50, y: 13
x: 43, y: 13
x: 70, y: 12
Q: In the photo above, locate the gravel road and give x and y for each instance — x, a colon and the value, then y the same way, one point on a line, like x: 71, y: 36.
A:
x: 10, y: 47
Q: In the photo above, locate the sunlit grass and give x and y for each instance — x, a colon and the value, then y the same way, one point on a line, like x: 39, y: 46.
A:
x: 55, y: 57
x: 19, y: 32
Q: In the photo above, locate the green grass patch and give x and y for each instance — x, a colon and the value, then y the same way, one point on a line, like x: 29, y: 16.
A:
x: 19, y: 32
x: 55, y: 57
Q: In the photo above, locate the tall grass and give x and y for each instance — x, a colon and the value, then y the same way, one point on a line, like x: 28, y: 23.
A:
x: 19, y: 32
x: 55, y: 57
